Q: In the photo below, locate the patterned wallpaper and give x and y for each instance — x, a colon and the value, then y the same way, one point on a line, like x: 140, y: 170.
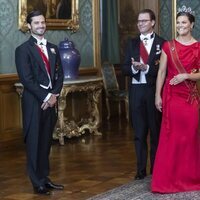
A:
x: 166, y: 19
x: 11, y: 37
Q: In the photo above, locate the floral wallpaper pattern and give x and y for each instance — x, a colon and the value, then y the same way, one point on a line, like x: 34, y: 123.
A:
x: 165, y: 19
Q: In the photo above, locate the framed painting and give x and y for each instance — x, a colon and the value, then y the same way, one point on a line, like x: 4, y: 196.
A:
x: 60, y: 14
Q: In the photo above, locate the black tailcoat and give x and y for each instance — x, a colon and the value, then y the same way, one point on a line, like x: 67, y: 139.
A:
x: 38, y: 124
x: 144, y: 116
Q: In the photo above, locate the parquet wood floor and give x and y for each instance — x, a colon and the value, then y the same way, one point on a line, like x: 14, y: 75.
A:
x: 86, y: 166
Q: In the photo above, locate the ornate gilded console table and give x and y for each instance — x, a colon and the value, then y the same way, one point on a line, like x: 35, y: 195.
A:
x: 92, y: 86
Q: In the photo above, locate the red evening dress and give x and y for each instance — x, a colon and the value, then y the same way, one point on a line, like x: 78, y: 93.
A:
x: 177, y: 163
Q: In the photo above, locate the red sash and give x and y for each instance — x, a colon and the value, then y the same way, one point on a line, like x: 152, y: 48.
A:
x: 45, y: 59
x: 143, y: 53
x: 190, y: 84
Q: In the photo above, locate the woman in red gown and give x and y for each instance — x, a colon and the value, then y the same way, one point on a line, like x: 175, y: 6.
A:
x: 177, y: 163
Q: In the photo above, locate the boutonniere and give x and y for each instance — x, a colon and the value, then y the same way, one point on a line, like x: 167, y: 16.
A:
x: 158, y: 50
x: 53, y: 50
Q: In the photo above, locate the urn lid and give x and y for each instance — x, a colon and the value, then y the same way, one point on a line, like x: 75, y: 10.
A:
x: 66, y: 44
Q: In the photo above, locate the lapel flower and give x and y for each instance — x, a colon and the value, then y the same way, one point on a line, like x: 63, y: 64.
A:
x: 53, y: 50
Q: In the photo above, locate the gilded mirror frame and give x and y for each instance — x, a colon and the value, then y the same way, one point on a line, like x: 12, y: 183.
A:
x: 174, y: 34
x: 95, y: 68
x: 53, y: 23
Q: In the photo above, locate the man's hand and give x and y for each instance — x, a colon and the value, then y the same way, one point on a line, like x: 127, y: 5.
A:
x: 138, y: 65
x: 45, y: 105
x: 158, y: 102
x: 51, y: 102
x: 143, y: 67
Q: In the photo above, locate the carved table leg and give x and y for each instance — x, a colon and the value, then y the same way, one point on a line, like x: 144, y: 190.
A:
x: 94, y: 119
x: 95, y: 111
x: 60, y: 132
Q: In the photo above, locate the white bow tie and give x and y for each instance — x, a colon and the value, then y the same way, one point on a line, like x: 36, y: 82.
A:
x: 147, y: 37
x: 42, y: 42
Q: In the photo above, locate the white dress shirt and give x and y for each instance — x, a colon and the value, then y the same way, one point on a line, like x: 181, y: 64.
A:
x: 147, y: 41
x: 42, y: 45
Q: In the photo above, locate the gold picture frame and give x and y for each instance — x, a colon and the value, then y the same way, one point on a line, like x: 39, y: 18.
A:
x: 54, y: 21
x: 174, y: 11
x: 94, y: 69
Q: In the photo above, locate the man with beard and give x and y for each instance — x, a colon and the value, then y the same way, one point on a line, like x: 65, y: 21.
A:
x: 39, y: 68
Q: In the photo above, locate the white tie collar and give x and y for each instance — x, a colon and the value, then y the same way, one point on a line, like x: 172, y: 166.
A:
x: 42, y: 42
x: 147, y: 37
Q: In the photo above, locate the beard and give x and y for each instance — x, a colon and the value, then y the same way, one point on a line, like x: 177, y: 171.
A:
x: 39, y: 31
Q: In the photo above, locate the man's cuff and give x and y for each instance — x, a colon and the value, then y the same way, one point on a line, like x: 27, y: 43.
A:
x: 133, y: 70
x: 147, y: 70
x: 47, y: 97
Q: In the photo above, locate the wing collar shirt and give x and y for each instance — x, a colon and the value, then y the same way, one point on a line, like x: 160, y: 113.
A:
x: 42, y: 45
x: 147, y: 41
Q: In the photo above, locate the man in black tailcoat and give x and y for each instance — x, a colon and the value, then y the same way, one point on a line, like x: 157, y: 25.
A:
x: 40, y: 71
x: 141, y: 65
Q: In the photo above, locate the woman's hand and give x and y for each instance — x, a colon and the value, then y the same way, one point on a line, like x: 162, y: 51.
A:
x: 158, y: 102
x: 178, y: 79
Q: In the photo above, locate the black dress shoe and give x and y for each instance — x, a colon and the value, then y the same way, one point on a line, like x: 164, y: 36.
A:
x: 41, y: 190
x: 50, y: 185
x: 139, y: 176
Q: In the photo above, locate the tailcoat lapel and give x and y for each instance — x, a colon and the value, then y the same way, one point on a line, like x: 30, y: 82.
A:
x: 153, y: 50
x: 36, y: 54
x: 137, y: 49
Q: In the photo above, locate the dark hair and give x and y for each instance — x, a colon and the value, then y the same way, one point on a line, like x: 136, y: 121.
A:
x: 150, y: 12
x: 187, y: 14
x: 33, y: 13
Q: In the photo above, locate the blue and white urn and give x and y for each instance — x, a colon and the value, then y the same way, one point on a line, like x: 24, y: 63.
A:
x: 70, y: 58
